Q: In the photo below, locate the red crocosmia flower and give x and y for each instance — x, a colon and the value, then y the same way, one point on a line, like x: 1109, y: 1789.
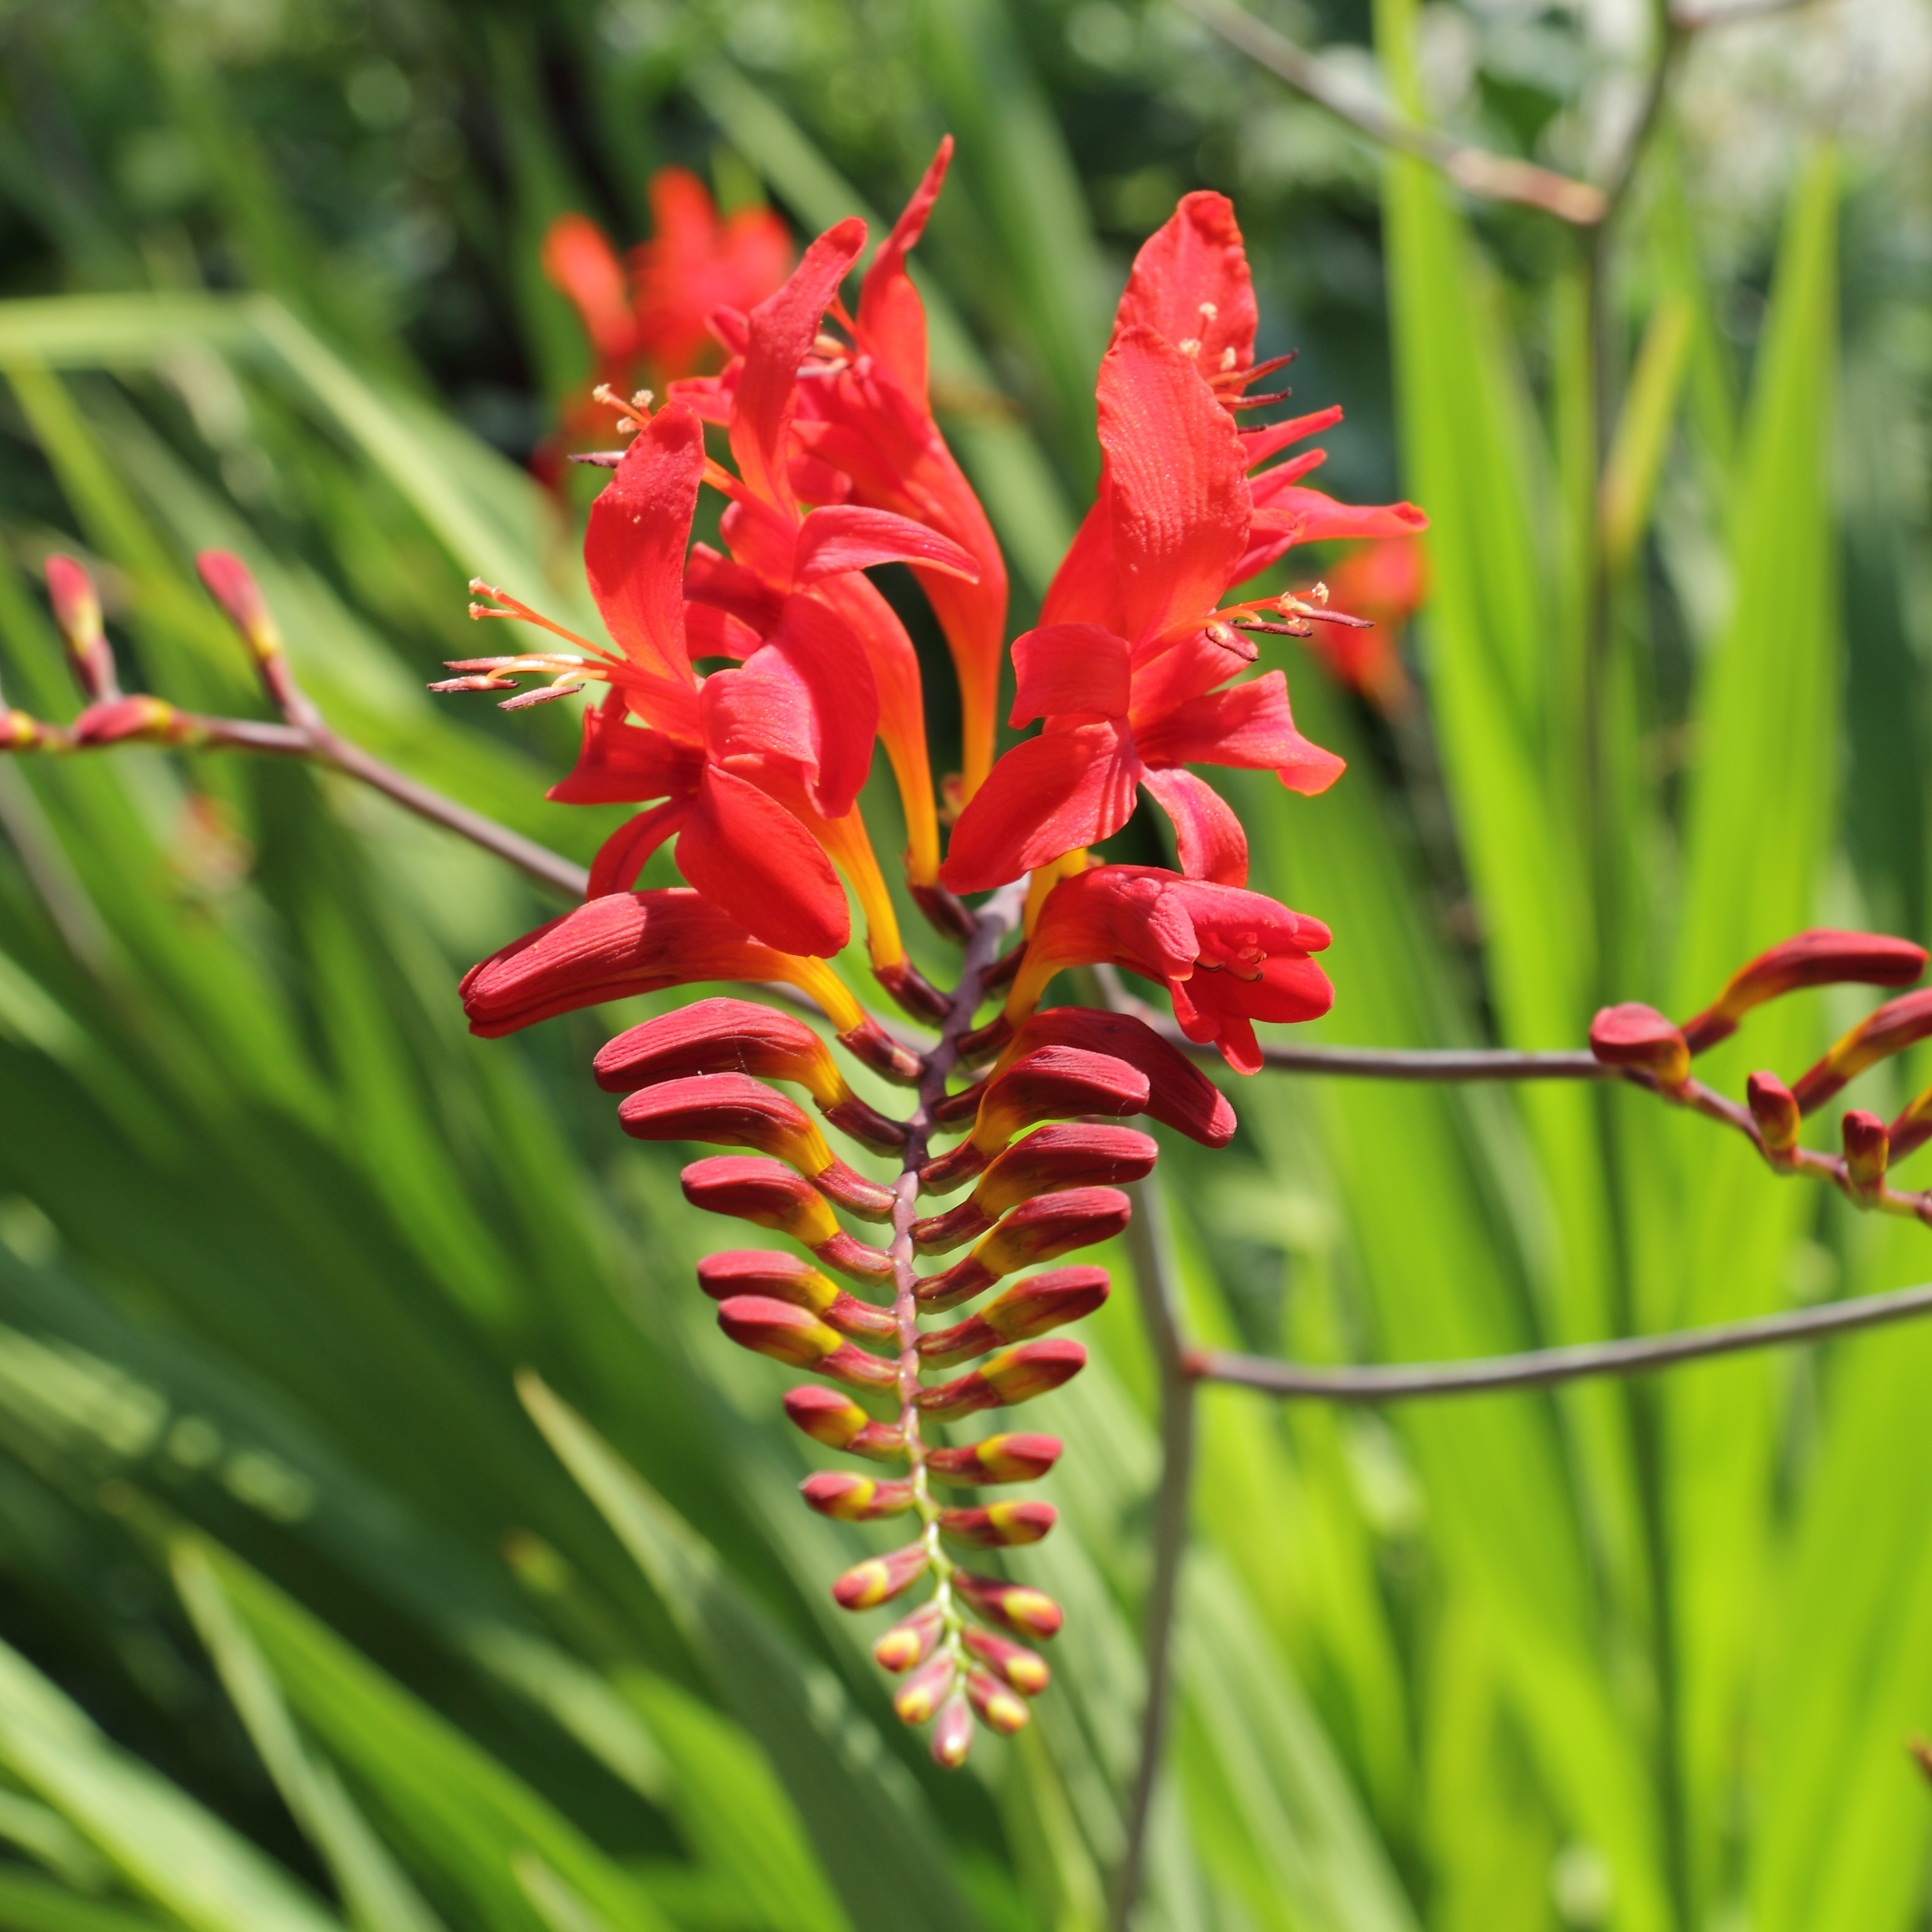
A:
x: 580, y: 263
x: 794, y: 577
x: 1134, y: 706
x: 1387, y: 583
x: 1190, y: 284
x: 1227, y: 958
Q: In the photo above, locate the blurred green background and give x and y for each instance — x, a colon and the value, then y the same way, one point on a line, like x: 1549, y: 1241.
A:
x: 310, y: 1621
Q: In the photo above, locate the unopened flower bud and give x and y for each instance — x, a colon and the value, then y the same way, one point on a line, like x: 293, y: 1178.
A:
x: 1013, y: 1661
x: 1024, y: 1611
x: 21, y: 731
x: 1031, y: 1307
x: 921, y: 1695
x: 952, y: 1734
x: 1004, y: 1458
x: 999, y: 1709
x: 727, y: 1035
x: 998, y: 1525
x: 850, y: 1498
x: 839, y: 1422
x: 910, y: 1640
x: 796, y: 1335
x: 1819, y: 958
x: 870, y: 1044
x: 1640, y: 1037
x: 1867, y: 1150
x: 1074, y: 1154
x: 1180, y: 1096
x: 1013, y: 1376
x: 1773, y: 1111
x: 768, y: 1193
x: 786, y: 1278
x: 1055, y: 1083
x: 1896, y: 1024
x: 77, y: 612
x: 1036, y: 1231
x: 230, y: 582
x: 1913, y: 1127
x: 913, y: 992
x: 880, y: 1578
x: 734, y: 1110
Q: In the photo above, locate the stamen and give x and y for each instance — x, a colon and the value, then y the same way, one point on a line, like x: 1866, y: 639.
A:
x: 1259, y: 402
x: 516, y: 607
x: 1209, y: 310
x: 631, y: 415
x: 720, y: 478
x: 1227, y: 359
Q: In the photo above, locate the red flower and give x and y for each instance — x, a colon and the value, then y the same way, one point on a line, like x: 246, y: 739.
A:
x: 1227, y: 958
x: 1131, y: 704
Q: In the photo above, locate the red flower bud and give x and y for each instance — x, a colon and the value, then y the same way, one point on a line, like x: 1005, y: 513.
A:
x: 952, y: 1735
x: 229, y: 583
x: 139, y: 720
x: 1026, y: 1612
x: 1036, y: 1231
x: 998, y: 1525
x: 920, y: 1696
x: 734, y: 1110
x: 769, y: 1194
x: 1013, y: 1661
x: 910, y: 1640
x: 870, y: 1044
x: 1180, y: 1096
x: 1030, y: 1307
x: 1056, y: 1083
x: 1774, y: 1112
x: 880, y: 1578
x: 794, y: 1335
x: 850, y: 1498
x: 626, y: 943
x: 1913, y: 1127
x: 1640, y: 1036
x: 998, y: 1458
x: 998, y: 1708
x: 1895, y: 1026
x: 77, y: 612
x: 785, y: 1278
x: 1867, y: 1150
x: 1051, y: 1160
x: 839, y: 1422
x: 1012, y: 1377
x: 1819, y: 958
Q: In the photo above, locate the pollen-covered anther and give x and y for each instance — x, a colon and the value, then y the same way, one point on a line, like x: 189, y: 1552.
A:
x: 770, y: 1195
x: 1896, y: 1025
x: 1054, y: 1158
x: 1054, y: 1083
x: 1019, y: 1666
x: 1000, y: 1710
x: 1867, y: 1150
x: 784, y: 1277
x: 910, y: 1640
x: 839, y: 1422
x: 1004, y: 1458
x: 1773, y: 1111
x: 1036, y: 1231
x: 850, y: 1498
x: 796, y: 1335
x: 1822, y: 957
x: 1034, y: 1306
x: 1641, y: 1038
x: 997, y: 1525
x: 917, y: 1700
x: 1015, y: 1375
x: 1015, y: 1606
x: 734, y: 1110
x: 880, y: 1578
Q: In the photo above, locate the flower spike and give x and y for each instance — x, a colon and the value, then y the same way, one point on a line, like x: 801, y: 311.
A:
x: 1896, y: 1024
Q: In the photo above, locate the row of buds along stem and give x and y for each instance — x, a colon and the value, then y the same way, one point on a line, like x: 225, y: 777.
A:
x: 1643, y: 1041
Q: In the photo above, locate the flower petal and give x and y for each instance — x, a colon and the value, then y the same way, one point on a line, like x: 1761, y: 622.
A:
x: 1190, y: 282
x: 1069, y: 671
x: 1288, y: 514
x: 1178, y: 486
x: 1249, y: 726
x: 1086, y: 588
x: 892, y: 318
x: 1045, y: 797
x: 756, y: 863
x: 620, y: 762
x: 579, y: 260
x: 1208, y: 836
x: 845, y: 536
x: 621, y: 857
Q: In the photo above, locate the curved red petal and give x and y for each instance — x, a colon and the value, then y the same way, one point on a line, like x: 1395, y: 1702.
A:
x: 619, y: 763
x: 758, y: 864
x: 1069, y: 671
x: 634, y: 547
x: 579, y: 261
x: 1207, y: 835
x: 892, y: 317
x: 1190, y: 282
x: 1260, y: 444
x: 848, y: 536
x: 1178, y: 498
x: 622, y: 856
x: 1250, y: 726
x: 1046, y: 797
